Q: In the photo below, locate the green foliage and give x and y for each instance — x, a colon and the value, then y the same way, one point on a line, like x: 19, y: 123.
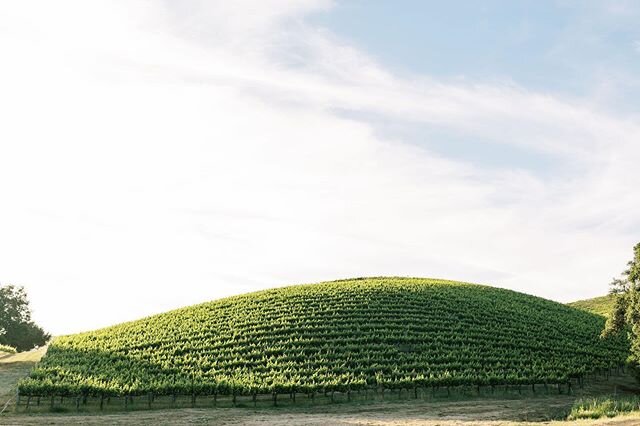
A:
x: 602, y: 305
x: 7, y: 349
x: 16, y: 327
x: 334, y: 336
x: 597, y: 407
x: 625, y: 315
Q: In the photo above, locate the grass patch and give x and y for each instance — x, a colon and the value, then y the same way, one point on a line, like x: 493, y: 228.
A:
x: 598, y: 407
x: 4, y: 349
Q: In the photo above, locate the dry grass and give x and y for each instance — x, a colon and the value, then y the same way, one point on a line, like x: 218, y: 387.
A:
x: 29, y: 357
x: 12, y: 368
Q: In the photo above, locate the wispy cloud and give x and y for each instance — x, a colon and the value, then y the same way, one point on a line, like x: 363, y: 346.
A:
x: 122, y: 123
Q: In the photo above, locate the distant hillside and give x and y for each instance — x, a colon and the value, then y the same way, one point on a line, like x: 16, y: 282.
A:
x: 598, y: 305
x: 350, y: 335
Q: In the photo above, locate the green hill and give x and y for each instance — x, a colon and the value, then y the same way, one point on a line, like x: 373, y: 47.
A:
x: 598, y: 305
x: 335, y: 336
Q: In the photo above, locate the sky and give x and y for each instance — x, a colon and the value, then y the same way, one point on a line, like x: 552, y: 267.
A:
x: 156, y: 154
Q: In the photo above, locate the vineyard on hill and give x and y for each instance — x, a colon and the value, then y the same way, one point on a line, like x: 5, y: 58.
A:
x: 342, y: 336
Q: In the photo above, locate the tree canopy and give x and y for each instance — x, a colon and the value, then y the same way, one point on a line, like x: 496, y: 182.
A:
x: 16, y: 327
x: 626, y: 311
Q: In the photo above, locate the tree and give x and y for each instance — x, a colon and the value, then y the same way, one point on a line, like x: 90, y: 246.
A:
x: 16, y: 327
x: 626, y: 311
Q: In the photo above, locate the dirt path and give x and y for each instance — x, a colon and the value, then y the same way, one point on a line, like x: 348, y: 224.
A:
x: 489, y: 412
x: 389, y: 416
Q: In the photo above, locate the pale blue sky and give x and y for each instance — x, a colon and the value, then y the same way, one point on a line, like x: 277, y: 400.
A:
x: 561, y: 46
x: 583, y: 51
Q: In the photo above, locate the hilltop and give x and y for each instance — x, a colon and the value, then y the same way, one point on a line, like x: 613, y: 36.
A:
x: 344, y: 336
x: 602, y: 305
